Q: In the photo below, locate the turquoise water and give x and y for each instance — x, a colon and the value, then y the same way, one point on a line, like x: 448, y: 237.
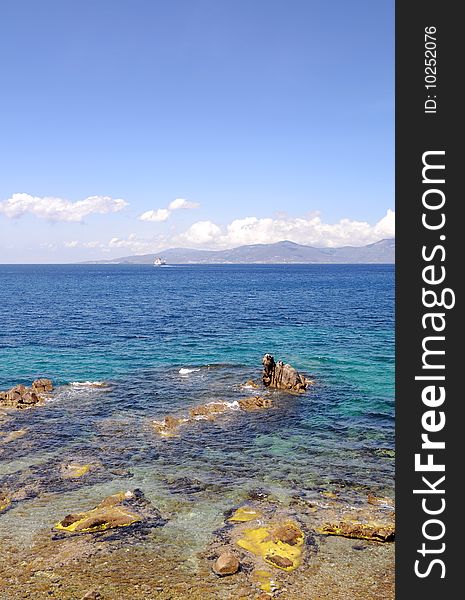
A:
x: 137, y: 326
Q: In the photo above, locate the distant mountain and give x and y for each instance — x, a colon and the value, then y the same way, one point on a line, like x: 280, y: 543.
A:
x: 280, y: 252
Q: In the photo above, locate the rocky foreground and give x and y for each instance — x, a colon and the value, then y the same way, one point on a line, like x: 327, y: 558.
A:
x: 327, y: 546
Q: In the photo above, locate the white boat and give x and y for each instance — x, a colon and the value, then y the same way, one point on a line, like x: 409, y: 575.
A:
x: 159, y: 262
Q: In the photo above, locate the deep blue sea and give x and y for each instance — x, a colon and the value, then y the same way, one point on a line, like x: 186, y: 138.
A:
x: 136, y: 327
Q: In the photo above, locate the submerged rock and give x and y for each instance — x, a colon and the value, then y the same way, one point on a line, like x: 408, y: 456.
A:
x: 74, y: 470
x: 11, y: 436
x: 245, y: 514
x: 22, y: 397
x: 170, y: 425
x: 226, y: 564
x: 250, y: 383
x: 283, y: 376
x: 255, y: 403
x: 120, y: 510
x: 210, y: 410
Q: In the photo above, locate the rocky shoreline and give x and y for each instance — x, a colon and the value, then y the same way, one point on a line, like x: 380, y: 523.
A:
x: 320, y: 547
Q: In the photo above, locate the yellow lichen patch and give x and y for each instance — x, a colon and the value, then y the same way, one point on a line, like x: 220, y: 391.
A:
x: 277, y: 553
x: 72, y: 471
x: 265, y: 581
x: 4, y: 503
x: 244, y: 514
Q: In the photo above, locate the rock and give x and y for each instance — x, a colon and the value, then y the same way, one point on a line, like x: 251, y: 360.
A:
x: 169, y: 425
x: 381, y: 532
x: 281, y: 376
x: 255, y: 403
x: 280, y: 561
x: 120, y: 510
x: 42, y: 385
x: 185, y: 485
x: 209, y: 410
x: 259, y: 494
x: 380, y: 501
x: 226, y: 564
x: 21, y: 396
x: 250, y: 384
x: 288, y: 533
x: 92, y: 595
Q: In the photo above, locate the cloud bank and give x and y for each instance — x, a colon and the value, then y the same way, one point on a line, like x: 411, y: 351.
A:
x: 310, y: 231
x: 252, y: 230
x: 59, y: 209
x: 162, y: 214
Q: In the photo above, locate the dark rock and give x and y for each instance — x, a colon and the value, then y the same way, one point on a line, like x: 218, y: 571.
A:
x: 280, y: 561
x: 283, y: 376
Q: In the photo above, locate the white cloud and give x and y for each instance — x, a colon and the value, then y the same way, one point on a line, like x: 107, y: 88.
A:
x: 182, y: 203
x: 310, y: 231
x: 76, y: 244
x: 161, y: 214
x: 158, y: 215
x: 59, y: 209
x: 202, y: 233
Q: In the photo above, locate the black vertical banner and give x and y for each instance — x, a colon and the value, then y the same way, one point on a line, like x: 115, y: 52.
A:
x: 429, y: 423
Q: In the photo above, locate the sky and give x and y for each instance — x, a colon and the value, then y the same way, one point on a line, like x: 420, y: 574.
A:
x: 132, y: 126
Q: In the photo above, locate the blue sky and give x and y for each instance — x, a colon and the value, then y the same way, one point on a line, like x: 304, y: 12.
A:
x: 255, y: 120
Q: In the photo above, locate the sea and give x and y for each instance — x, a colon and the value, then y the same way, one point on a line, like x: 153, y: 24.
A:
x: 164, y: 339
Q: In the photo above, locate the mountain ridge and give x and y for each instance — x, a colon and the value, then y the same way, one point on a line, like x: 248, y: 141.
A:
x: 285, y: 252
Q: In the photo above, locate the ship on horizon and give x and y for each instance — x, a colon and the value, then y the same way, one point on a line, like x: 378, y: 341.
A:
x: 159, y: 262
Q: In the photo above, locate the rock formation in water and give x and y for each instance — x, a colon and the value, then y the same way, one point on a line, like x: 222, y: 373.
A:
x: 21, y: 396
x: 120, y: 510
x: 282, y: 376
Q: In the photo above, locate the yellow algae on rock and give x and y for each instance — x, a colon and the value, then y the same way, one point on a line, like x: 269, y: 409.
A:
x: 105, y: 516
x: 263, y: 542
x: 244, y: 514
x: 98, y: 519
x: 72, y: 471
x: 4, y: 503
x: 265, y: 581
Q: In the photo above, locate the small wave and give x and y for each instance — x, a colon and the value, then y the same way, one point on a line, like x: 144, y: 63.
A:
x: 185, y: 371
x: 97, y: 384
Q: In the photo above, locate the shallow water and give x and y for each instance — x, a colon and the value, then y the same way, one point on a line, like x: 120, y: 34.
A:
x: 168, y: 339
